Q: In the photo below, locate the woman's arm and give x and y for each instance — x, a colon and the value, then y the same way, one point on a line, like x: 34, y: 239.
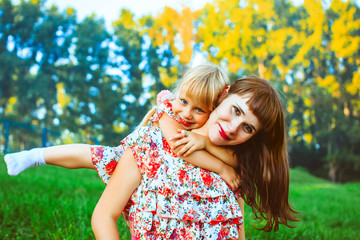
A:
x: 125, y: 179
x: 200, y: 158
x: 242, y: 232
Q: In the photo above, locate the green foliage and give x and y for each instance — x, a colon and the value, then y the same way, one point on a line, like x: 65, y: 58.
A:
x: 78, y: 77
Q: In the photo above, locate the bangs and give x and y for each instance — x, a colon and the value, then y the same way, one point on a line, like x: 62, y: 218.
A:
x: 202, y: 94
x: 267, y: 115
x: 204, y: 84
x: 264, y: 100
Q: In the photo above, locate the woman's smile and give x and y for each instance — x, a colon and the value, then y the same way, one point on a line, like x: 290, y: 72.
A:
x: 232, y: 122
x: 222, y: 133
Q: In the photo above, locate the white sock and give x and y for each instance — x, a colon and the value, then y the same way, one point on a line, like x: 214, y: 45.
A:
x: 18, y: 162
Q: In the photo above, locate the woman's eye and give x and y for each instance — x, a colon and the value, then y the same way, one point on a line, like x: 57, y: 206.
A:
x: 237, y: 111
x: 247, y: 128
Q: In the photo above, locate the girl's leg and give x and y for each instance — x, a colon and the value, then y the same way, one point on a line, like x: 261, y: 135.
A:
x: 67, y: 156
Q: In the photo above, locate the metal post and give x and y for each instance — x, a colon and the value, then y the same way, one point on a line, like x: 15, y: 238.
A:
x: 44, y: 137
x: 7, y: 127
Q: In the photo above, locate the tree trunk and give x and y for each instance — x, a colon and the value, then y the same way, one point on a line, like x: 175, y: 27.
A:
x: 332, y: 165
x: 332, y: 172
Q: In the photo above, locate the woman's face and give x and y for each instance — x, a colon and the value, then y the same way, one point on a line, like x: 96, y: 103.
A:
x: 232, y: 122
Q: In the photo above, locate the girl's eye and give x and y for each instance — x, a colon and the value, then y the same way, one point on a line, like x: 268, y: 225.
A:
x: 199, y: 110
x: 247, y: 128
x: 183, y: 101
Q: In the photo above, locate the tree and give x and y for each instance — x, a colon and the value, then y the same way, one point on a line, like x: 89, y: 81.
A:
x: 52, y: 40
x: 86, y: 81
x: 128, y: 41
x: 7, y: 58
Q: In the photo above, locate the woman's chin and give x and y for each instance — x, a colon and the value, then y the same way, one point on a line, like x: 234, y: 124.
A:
x: 216, y: 140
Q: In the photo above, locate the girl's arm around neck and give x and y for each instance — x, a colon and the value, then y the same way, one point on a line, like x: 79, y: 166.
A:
x: 169, y: 129
x: 200, y: 158
x: 184, y: 146
x: 226, y: 154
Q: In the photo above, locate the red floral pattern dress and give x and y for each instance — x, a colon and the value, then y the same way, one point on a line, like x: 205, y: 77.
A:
x: 175, y: 200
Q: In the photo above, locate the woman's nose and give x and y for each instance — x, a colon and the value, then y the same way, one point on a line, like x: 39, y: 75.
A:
x: 234, y: 125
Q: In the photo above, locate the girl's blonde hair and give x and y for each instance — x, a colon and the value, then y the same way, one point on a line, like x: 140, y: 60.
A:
x: 204, y: 84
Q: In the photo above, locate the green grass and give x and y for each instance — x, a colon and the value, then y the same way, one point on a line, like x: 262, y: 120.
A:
x: 53, y: 203
x: 49, y: 202
x: 327, y: 210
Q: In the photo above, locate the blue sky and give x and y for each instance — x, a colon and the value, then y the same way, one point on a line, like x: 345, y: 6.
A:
x: 110, y: 9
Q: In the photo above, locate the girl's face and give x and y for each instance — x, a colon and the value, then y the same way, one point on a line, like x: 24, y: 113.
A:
x: 191, y: 115
x: 232, y: 122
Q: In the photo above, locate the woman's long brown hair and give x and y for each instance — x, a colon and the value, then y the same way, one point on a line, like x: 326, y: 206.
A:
x: 263, y: 159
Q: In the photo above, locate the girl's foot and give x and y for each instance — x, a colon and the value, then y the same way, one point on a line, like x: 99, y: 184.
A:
x: 18, y: 162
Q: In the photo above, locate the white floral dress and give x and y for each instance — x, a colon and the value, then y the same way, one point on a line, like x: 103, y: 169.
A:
x: 175, y: 200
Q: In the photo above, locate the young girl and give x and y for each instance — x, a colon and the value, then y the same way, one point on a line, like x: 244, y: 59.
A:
x: 175, y: 200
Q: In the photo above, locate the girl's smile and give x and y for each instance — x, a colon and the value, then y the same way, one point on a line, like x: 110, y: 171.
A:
x: 191, y: 115
x: 183, y: 122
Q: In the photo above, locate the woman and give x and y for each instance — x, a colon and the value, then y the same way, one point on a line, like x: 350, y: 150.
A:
x: 250, y: 122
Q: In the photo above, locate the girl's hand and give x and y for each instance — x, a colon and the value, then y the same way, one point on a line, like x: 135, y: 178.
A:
x: 186, y: 142
x: 230, y: 176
